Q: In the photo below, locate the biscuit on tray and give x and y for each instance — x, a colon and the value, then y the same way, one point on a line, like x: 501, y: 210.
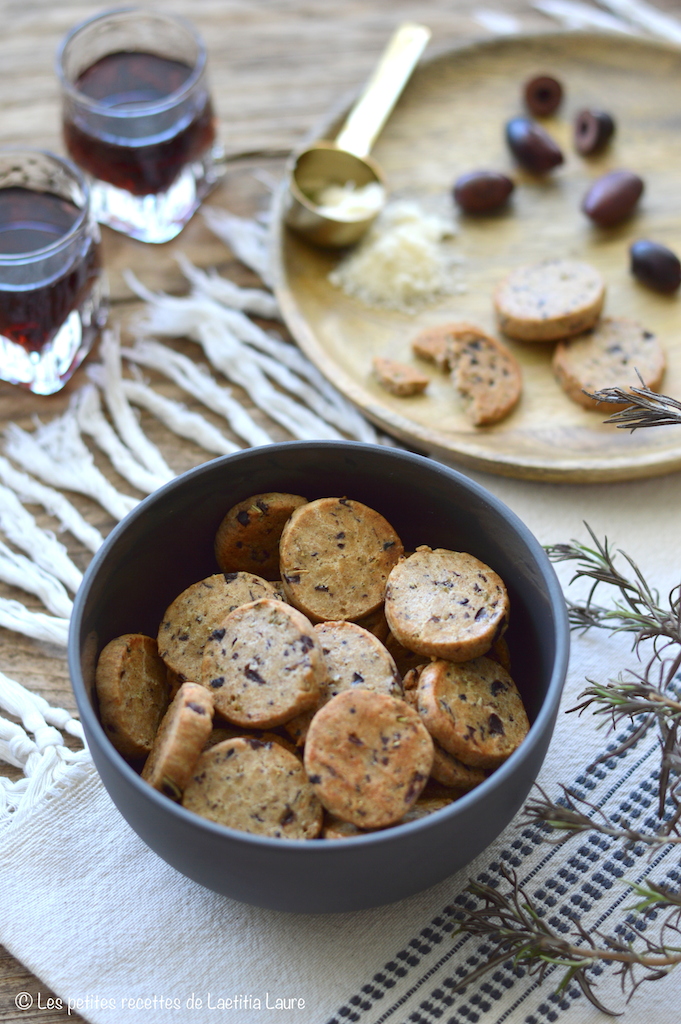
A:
x: 549, y: 300
x: 613, y: 354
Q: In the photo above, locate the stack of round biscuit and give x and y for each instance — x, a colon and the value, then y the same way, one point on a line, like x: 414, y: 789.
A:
x: 273, y: 700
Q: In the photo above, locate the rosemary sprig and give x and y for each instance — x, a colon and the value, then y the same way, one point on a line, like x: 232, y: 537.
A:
x: 621, y: 698
x: 637, y: 610
x: 513, y: 924
x: 568, y: 818
x: 645, y: 408
x: 516, y: 928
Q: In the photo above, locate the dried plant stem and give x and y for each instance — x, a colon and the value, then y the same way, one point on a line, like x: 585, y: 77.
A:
x: 518, y: 931
x: 645, y: 408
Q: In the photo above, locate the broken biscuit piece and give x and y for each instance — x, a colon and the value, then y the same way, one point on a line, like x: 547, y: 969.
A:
x: 399, y: 378
x: 485, y: 372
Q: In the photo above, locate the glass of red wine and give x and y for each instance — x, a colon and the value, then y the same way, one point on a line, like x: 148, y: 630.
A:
x: 138, y: 119
x: 52, y: 293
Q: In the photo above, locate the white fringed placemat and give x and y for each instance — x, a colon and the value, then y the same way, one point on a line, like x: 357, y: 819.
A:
x: 116, y: 933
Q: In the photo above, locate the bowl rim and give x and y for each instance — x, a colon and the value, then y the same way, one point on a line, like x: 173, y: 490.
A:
x: 498, y: 777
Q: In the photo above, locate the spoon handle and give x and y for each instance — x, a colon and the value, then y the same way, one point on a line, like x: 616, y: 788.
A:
x: 371, y: 111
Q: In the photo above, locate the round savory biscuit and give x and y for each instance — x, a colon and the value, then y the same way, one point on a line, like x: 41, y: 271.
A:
x: 248, y: 537
x: 221, y: 733
x: 450, y: 772
x: 405, y: 659
x: 368, y: 757
x: 376, y: 623
x: 549, y: 300
x: 500, y: 652
x: 613, y: 354
x: 264, y: 664
x: 446, y: 604
x: 354, y: 658
x: 181, y: 737
x: 473, y: 710
x: 336, y: 828
x: 335, y: 556
x: 133, y: 692
x: 254, y: 787
x: 426, y: 804
x: 197, y: 612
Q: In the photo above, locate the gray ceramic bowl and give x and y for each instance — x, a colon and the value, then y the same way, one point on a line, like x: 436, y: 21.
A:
x: 166, y: 544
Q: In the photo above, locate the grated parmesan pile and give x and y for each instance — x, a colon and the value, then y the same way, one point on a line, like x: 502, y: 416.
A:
x: 400, y: 263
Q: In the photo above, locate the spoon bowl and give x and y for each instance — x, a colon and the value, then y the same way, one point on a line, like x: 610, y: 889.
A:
x: 345, y: 163
x: 314, y: 170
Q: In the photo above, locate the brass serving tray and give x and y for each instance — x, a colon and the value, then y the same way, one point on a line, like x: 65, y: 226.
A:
x: 450, y: 120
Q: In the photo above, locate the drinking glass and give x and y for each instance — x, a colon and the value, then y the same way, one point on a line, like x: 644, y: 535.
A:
x: 137, y: 118
x: 52, y: 293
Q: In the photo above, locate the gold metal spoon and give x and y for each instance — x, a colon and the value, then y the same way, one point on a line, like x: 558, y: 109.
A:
x: 345, y: 163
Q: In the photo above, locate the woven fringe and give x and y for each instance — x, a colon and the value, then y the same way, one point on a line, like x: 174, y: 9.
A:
x: 43, y: 757
x: 54, y: 457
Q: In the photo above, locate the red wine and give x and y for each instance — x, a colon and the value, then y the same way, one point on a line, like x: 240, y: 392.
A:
x: 138, y: 166
x: 30, y: 221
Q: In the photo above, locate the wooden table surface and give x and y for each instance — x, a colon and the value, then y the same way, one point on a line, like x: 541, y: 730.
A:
x: 276, y: 67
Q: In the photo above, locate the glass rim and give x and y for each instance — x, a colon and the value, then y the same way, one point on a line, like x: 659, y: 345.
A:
x: 16, y: 259
x: 139, y: 109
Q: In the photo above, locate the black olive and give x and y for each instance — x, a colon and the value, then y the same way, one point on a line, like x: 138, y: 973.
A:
x: 655, y: 265
x: 543, y: 95
x: 533, y: 148
x: 481, y: 191
x: 593, y: 130
x: 612, y: 198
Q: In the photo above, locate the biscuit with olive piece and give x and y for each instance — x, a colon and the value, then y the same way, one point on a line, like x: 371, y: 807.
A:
x: 473, y: 710
x: 483, y: 370
x: 450, y: 771
x: 368, y: 757
x: 446, y: 604
x: 133, y: 692
x: 485, y: 373
x: 354, y: 658
x: 263, y: 664
x: 376, y: 623
x: 427, y: 803
x: 247, y: 539
x: 617, y: 353
x: 197, y: 612
x: 179, y: 741
x: 549, y: 300
x: 336, y: 828
x: 335, y: 556
x: 254, y: 787
x: 221, y: 733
